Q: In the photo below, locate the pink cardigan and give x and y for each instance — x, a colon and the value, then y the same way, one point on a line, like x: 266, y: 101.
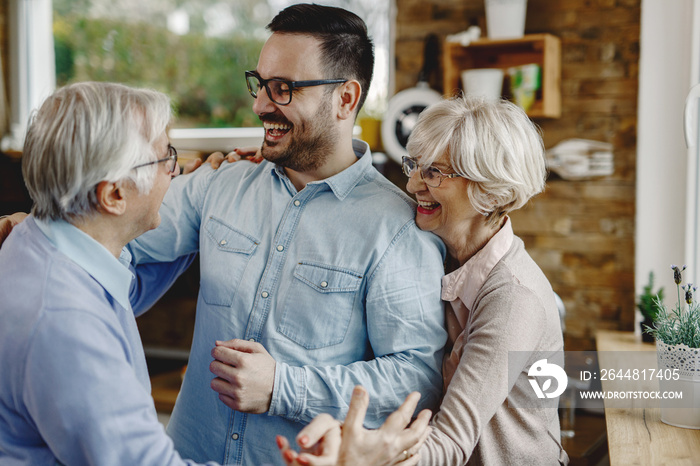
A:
x: 501, y: 305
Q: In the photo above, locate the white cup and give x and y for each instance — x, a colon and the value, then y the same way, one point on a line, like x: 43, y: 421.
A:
x: 505, y: 19
x: 485, y: 82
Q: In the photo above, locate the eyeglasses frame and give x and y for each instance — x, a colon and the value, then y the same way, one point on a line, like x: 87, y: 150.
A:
x: 406, y: 171
x: 172, y: 155
x: 292, y: 85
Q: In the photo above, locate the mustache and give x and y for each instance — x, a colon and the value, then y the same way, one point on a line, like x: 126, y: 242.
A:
x: 274, y: 118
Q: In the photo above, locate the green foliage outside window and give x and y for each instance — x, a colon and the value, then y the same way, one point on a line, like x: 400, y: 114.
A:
x: 203, y: 75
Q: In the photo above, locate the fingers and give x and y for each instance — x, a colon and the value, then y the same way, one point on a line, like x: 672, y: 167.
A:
x: 400, y: 418
x: 233, y: 156
x: 252, y: 154
x: 215, y: 160
x: 422, y: 420
x: 320, y: 426
x: 410, y: 461
x: 409, y: 441
x: 288, y: 455
x: 191, y: 165
x: 237, y: 344
x: 327, y: 452
x: 226, y: 355
x: 249, y: 151
x: 8, y: 223
x: 357, y: 410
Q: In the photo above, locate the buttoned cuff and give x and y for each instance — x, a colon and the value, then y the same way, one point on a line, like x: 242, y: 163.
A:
x: 289, y: 392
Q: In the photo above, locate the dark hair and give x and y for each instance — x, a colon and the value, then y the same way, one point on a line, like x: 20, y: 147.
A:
x: 346, y: 50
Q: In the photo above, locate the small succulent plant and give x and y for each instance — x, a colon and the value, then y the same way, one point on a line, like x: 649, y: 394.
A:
x: 648, y: 303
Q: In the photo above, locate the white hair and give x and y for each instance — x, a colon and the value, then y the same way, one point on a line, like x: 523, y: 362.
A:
x: 493, y: 144
x: 86, y: 133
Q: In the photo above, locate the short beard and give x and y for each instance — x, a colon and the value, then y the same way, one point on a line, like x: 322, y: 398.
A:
x: 311, y: 147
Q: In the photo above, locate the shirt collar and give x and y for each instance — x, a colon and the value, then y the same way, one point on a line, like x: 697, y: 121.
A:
x: 465, y: 282
x: 344, y: 182
x: 112, y: 274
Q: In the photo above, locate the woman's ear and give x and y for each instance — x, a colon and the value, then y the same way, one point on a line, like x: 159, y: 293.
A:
x: 350, y: 93
x: 111, y: 197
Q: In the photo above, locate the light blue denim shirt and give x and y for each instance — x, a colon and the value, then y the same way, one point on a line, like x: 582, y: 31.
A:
x: 74, y: 387
x: 335, y: 281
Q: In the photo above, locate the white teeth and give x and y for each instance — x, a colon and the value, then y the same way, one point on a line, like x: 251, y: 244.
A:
x: 428, y: 204
x: 277, y: 126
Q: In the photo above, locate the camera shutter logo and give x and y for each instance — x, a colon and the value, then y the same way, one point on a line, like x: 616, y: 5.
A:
x: 544, y: 369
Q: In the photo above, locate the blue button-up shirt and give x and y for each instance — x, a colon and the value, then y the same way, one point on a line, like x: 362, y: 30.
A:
x: 335, y: 281
x: 74, y: 388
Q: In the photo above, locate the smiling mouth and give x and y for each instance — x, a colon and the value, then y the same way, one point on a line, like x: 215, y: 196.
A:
x: 425, y: 207
x: 275, y: 131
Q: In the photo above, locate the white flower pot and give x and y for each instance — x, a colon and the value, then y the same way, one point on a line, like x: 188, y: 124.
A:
x: 680, y: 370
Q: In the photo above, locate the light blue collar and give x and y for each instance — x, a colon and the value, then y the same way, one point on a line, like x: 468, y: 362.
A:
x: 112, y: 274
x: 344, y: 182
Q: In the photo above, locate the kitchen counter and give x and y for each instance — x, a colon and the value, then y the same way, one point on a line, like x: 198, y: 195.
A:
x: 636, y: 434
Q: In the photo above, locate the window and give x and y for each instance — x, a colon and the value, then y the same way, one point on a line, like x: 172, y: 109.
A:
x: 193, y: 50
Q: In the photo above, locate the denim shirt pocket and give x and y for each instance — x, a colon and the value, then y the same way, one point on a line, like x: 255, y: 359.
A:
x: 226, y: 252
x: 319, y: 305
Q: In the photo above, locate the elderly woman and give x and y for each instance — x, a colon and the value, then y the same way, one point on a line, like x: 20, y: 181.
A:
x: 471, y: 163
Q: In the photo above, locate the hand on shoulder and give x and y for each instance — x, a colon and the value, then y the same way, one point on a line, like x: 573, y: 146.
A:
x: 8, y: 222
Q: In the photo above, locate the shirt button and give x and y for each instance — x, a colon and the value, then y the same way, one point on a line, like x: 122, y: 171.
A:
x: 222, y: 242
x: 280, y: 248
x: 251, y: 339
x: 264, y: 294
x: 297, y: 203
x: 234, y: 436
x: 324, y: 284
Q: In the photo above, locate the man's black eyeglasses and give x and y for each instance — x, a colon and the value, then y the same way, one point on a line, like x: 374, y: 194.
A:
x: 280, y: 90
x: 171, y: 160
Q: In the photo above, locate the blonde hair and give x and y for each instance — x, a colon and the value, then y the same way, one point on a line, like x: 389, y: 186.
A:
x: 86, y: 133
x: 493, y: 144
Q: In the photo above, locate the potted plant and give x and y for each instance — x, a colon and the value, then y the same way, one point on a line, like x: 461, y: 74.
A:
x: 648, y: 305
x: 677, y: 334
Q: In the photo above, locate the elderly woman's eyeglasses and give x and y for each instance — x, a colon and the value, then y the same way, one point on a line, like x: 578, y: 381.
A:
x: 431, y: 176
x: 280, y: 90
x: 170, y: 160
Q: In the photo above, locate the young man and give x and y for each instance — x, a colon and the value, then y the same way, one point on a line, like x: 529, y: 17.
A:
x: 74, y: 387
x: 314, y: 276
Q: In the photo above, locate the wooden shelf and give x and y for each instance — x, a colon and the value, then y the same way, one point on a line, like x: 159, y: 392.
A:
x: 542, y: 49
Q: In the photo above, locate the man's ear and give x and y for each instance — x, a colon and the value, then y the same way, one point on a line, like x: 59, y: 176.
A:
x: 350, y: 93
x: 111, y: 197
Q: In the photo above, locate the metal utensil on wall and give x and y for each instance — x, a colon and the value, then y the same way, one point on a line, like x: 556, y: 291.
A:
x: 405, y: 107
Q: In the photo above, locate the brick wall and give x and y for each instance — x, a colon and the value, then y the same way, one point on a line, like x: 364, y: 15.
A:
x: 580, y: 232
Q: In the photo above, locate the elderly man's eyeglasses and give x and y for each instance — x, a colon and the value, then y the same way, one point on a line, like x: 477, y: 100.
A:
x: 280, y: 90
x: 431, y: 176
x: 170, y: 160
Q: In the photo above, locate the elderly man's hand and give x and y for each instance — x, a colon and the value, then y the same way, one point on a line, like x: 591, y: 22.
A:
x: 324, y: 443
x: 245, y: 375
x: 8, y: 223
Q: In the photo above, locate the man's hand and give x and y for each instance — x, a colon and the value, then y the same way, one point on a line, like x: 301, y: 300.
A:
x: 394, y: 443
x: 245, y: 375
x: 8, y: 223
x: 217, y: 158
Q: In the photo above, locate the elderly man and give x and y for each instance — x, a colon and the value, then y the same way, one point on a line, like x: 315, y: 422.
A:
x: 314, y: 276
x: 74, y: 387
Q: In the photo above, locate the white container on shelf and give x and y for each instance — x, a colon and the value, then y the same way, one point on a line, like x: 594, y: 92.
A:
x: 505, y: 19
x: 486, y: 82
